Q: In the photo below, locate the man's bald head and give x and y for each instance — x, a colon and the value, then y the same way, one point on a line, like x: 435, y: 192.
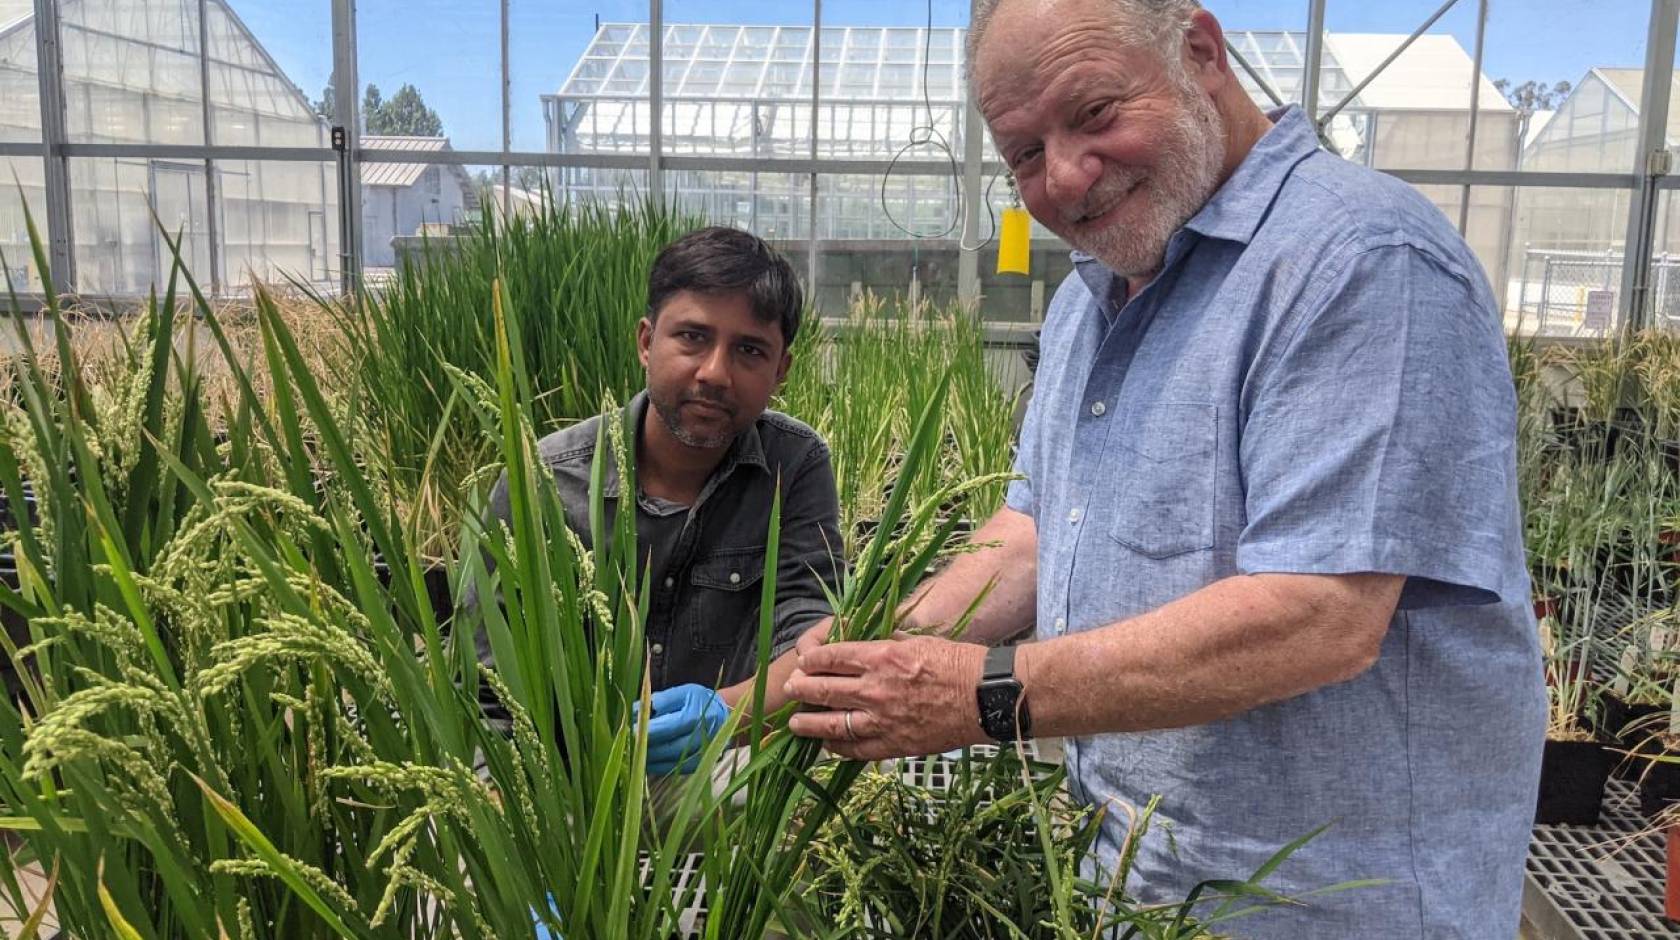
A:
x: 1154, y: 24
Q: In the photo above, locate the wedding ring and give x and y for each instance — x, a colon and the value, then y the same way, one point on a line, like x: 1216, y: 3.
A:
x: 850, y: 734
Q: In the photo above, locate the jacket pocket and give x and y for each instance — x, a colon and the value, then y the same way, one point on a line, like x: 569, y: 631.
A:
x: 723, y: 607
x: 1163, y: 466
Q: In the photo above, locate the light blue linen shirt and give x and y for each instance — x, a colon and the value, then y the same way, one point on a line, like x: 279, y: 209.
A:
x: 1316, y: 383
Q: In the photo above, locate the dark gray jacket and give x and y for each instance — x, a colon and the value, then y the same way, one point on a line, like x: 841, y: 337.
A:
x: 703, y: 614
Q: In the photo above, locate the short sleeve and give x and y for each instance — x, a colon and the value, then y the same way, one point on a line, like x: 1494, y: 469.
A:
x: 1020, y: 496
x: 1380, y: 436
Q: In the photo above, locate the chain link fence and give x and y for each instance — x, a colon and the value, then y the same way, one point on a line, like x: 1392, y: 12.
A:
x: 1576, y: 293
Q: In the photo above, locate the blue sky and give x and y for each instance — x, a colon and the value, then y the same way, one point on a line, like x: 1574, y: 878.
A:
x: 450, y: 49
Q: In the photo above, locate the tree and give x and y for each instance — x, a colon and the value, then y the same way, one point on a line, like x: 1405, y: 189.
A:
x: 371, y: 103
x: 406, y: 114
x: 328, y: 103
x: 1532, y: 96
x: 1529, y: 97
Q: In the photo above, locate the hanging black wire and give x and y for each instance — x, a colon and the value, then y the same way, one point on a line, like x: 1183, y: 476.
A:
x: 928, y: 135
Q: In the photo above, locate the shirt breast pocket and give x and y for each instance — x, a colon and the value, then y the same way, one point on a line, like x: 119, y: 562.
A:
x: 723, y: 606
x: 1163, y: 464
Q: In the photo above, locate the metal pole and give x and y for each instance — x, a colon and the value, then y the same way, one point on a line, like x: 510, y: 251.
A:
x: 1399, y: 50
x: 1315, y: 59
x: 507, y: 110
x: 49, y: 75
x: 1654, y: 160
x: 816, y: 98
x: 1260, y: 80
x: 346, y: 115
x: 1475, y: 114
x: 656, y: 98
x: 211, y: 199
x: 968, y: 254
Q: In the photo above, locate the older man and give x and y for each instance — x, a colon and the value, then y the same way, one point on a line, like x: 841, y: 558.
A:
x: 1269, y: 524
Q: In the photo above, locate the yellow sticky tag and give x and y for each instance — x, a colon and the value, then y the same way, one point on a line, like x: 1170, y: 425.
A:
x: 1014, y: 241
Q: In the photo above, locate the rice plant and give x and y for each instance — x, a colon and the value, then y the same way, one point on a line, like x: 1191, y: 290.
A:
x: 576, y: 278
x: 861, y: 383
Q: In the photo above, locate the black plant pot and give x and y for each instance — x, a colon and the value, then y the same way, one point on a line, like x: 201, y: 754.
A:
x: 1614, y: 716
x: 1572, y: 776
x: 1659, y: 785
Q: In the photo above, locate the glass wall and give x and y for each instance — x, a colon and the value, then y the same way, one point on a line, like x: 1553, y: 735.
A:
x: 1555, y: 94
x: 22, y: 178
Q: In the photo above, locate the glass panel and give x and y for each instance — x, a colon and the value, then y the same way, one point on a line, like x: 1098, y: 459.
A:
x: 1416, y: 113
x: 1016, y: 297
x: 436, y: 197
x: 259, y: 95
x: 20, y: 99
x: 437, y: 67
x: 578, y: 185
x: 279, y: 220
x: 119, y: 249
x: 745, y: 108
x: 1565, y: 246
x: 1665, y: 265
x: 131, y: 72
x: 17, y: 267
x: 599, y: 104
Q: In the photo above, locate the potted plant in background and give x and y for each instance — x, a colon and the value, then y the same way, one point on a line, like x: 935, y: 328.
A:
x: 1574, y: 766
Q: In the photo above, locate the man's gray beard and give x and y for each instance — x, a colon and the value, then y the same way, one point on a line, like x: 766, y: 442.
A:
x: 1184, y: 181
x: 671, y: 417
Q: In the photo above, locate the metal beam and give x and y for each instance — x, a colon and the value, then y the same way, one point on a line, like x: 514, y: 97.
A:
x: 1525, y: 178
x: 507, y: 113
x: 49, y: 73
x: 1313, y: 67
x: 974, y: 153
x: 1400, y: 50
x: 1254, y: 73
x: 347, y: 114
x: 211, y: 198
x: 656, y: 99
x: 816, y: 100
x: 1654, y: 159
x: 1475, y: 113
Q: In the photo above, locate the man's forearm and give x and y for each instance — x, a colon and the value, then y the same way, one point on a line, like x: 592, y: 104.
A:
x: 1010, y: 567
x: 741, y: 693
x: 1233, y: 646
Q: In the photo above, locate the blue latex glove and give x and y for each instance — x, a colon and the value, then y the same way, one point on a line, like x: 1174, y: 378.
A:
x: 685, y: 719
x: 544, y: 933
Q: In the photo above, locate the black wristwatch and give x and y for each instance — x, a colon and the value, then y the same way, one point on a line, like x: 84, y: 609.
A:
x: 1003, y: 712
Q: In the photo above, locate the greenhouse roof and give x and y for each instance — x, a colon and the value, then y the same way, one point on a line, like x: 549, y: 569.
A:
x: 1629, y: 85
x: 1433, y: 74
x: 735, y: 62
x: 13, y: 12
x: 398, y: 174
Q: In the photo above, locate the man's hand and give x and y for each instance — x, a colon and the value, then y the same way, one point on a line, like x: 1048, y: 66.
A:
x: 894, y: 698
x: 685, y: 719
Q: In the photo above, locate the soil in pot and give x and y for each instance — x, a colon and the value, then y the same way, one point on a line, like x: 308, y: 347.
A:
x: 1572, y: 776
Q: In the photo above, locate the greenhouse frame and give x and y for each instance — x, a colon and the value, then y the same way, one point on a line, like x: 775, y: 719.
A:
x: 649, y: 473
x: 236, y: 158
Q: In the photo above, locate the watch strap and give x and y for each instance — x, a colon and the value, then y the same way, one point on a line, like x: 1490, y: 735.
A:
x: 1000, y: 663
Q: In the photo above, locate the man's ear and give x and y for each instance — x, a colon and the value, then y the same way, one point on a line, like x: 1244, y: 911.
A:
x: 644, y: 340
x: 782, y: 370
x: 1204, y: 43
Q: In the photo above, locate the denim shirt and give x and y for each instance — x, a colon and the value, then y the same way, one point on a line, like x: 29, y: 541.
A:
x: 1316, y: 383
x: 708, y: 562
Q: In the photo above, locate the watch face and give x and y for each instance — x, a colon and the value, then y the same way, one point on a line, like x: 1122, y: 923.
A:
x: 997, y: 708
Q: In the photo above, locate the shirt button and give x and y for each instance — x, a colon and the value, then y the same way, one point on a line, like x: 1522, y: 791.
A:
x: 1098, y: 409
x: 734, y: 577
x: 1061, y: 625
x: 658, y: 648
x: 1073, y: 516
x: 670, y: 583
